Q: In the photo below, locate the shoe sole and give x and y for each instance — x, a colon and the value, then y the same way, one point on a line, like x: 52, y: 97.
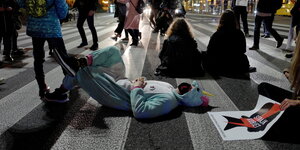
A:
x: 55, y: 100
x: 63, y: 64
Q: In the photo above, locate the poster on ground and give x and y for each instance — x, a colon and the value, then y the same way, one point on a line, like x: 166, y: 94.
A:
x: 246, y: 125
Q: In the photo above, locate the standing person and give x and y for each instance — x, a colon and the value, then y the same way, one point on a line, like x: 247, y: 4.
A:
x: 155, y: 6
x: 121, y: 14
x: 101, y: 75
x: 132, y: 20
x: 179, y: 52
x: 42, y: 29
x: 226, y: 48
x: 295, y: 22
x: 8, y: 8
x: 265, y: 12
x: 17, y: 26
x: 86, y: 9
x: 239, y: 8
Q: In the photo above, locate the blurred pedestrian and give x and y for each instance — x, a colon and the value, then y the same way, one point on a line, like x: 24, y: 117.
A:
x: 265, y: 12
x: 86, y: 9
x: 121, y: 14
x: 155, y: 6
x: 239, y: 8
x: 179, y: 52
x: 132, y: 20
x: 17, y: 51
x: 8, y: 9
x: 295, y: 24
x: 226, y: 49
x: 42, y: 29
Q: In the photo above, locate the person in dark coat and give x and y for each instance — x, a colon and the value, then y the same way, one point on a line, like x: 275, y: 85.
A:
x: 180, y: 56
x: 265, y: 13
x: 227, y: 47
x: 86, y: 9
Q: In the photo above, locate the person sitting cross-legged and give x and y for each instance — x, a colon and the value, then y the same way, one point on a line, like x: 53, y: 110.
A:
x: 180, y: 56
x: 226, y: 49
x: 101, y: 75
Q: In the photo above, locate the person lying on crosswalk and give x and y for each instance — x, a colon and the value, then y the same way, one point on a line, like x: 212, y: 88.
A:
x: 102, y: 76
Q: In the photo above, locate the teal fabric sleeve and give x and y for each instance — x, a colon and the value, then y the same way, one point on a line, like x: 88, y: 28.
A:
x: 153, y: 105
x: 106, y: 57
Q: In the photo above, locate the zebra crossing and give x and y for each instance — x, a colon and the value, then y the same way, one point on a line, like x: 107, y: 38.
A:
x: 28, y: 123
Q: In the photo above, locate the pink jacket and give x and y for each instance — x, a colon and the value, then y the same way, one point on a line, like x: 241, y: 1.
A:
x: 132, y: 20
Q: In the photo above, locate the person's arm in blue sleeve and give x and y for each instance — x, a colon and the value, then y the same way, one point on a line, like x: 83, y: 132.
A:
x: 154, y: 106
x: 62, y: 8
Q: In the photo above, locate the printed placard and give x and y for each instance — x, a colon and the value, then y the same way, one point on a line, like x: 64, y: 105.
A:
x: 246, y: 125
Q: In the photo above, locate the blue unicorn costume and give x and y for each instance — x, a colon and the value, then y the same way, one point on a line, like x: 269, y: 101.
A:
x: 104, y: 80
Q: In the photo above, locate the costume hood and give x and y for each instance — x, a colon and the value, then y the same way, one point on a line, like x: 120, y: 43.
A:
x: 191, y: 98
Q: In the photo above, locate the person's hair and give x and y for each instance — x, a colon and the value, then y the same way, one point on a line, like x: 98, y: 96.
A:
x: 181, y: 28
x: 184, y: 88
x: 294, y: 75
x: 228, y: 21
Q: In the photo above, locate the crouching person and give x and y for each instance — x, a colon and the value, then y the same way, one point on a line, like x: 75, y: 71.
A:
x: 101, y: 75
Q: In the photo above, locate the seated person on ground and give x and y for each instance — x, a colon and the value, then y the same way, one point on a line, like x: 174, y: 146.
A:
x: 287, y: 127
x: 179, y: 55
x: 227, y: 47
x: 101, y: 75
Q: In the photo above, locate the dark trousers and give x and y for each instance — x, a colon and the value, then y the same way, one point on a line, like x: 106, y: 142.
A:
x: 14, y: 40
x: 268, y: 21
x: 286, y: 129
x: 241, y: 12
x: 134, y: 33
x: 39, y: 56
x: 7, y: 38
x: 120, y: 26
x: 90, y: 21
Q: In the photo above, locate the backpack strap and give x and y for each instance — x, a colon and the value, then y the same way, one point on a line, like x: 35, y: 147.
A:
x: 132, y: 4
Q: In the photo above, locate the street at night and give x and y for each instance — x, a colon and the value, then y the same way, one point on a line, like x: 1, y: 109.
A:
x: 26, y: 122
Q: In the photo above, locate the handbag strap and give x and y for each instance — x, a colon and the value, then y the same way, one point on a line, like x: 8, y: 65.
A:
x: 132, y: 4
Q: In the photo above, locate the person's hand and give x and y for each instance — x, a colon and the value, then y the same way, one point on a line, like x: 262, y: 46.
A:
x: 91, y: 12
x: 286, y: 103
x: 139, y: 82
